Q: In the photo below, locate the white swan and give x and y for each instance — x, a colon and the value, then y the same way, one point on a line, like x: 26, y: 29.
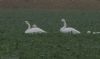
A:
x: 96, y: 32
x: 90, y: 32
x: 34, y: 29
x: 66, y: 29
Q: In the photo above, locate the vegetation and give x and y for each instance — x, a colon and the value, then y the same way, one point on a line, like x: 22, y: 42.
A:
x: 14, y: 44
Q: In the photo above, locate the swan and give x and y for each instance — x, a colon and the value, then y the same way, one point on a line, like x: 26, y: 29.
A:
x: 90, y: 32
x: 96, y: 32
x: 34, y: 28
x: 66, y: 29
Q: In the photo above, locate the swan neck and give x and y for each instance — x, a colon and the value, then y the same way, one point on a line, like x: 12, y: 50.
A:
x: 65, y: 25
x: 29, y: 26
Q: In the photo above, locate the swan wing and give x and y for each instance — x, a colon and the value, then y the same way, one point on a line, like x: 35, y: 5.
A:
x: 35, y: 30
x: 39, y: 30
x: 65, y: 30
x: 74, y: 31
x: 69, y: 30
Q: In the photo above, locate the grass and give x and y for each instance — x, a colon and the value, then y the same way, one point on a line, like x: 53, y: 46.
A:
x: 14, y: 44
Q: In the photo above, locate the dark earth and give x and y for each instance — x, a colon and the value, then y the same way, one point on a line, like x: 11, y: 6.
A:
x: 52, y: 4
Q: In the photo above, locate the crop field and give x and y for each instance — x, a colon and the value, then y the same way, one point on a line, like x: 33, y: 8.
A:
x: 15, y: 44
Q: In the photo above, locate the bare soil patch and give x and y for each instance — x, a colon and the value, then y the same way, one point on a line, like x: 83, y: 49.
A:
x: 52, y: 4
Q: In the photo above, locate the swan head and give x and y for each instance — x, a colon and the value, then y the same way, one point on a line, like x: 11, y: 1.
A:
x: 63, y: 20
x: 34, y: 26
x: 26, y: 21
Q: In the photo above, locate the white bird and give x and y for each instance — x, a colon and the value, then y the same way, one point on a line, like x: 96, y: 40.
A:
x: 90, y: 32
x: 96, y: 32
x: 34, y: 29
x: 66, y: 29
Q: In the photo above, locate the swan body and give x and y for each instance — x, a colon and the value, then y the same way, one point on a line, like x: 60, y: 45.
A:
x: 66, y: 29
x: 34, y: 29
x: 69, y: 30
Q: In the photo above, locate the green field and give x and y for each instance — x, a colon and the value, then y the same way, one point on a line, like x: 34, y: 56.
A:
x: 14, y: 44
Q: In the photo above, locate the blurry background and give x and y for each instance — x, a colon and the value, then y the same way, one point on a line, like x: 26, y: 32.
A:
x: 51, y: 4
